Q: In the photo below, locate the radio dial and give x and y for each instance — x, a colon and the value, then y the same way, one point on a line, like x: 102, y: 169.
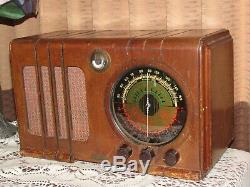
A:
x: 148, y: 106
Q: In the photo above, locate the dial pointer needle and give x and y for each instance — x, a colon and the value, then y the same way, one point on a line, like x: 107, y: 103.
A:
x: 147, y: 105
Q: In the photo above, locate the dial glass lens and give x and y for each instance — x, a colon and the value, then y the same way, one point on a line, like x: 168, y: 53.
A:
x: 148, y: 106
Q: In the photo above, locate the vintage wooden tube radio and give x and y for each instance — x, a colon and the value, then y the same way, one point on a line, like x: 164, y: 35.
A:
x: 163, y: 96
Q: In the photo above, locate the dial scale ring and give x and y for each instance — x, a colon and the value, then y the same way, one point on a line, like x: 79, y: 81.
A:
x: 148, y: 106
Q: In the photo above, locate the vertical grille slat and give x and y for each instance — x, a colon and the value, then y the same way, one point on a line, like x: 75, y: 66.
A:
x: 67, y: 103
x: 53, y: 96
x: 41, y: 96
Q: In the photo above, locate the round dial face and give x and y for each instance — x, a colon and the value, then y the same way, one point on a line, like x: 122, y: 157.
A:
x: 148, y: 106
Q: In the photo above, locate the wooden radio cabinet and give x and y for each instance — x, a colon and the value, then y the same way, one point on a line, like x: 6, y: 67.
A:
x: 163, y: 96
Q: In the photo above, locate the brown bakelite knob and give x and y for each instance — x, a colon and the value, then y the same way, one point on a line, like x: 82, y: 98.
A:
x: 147, y: 154
x: 171, y: 157
x: 125, y: 151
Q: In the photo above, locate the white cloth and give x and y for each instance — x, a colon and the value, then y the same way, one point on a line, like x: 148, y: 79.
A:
x: 3, y: 1
x: 233, y: 169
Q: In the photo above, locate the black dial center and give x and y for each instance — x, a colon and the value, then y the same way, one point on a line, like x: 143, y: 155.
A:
x: 149, y: 104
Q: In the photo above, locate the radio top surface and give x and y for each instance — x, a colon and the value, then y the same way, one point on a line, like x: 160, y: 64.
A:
x: 133, y: 34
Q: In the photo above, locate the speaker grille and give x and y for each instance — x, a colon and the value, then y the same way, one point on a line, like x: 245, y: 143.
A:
x: 55, y: 112
x: 32, y: 100
x: 61, y: 104
x: 78, y: 108
x: 48, y: 102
